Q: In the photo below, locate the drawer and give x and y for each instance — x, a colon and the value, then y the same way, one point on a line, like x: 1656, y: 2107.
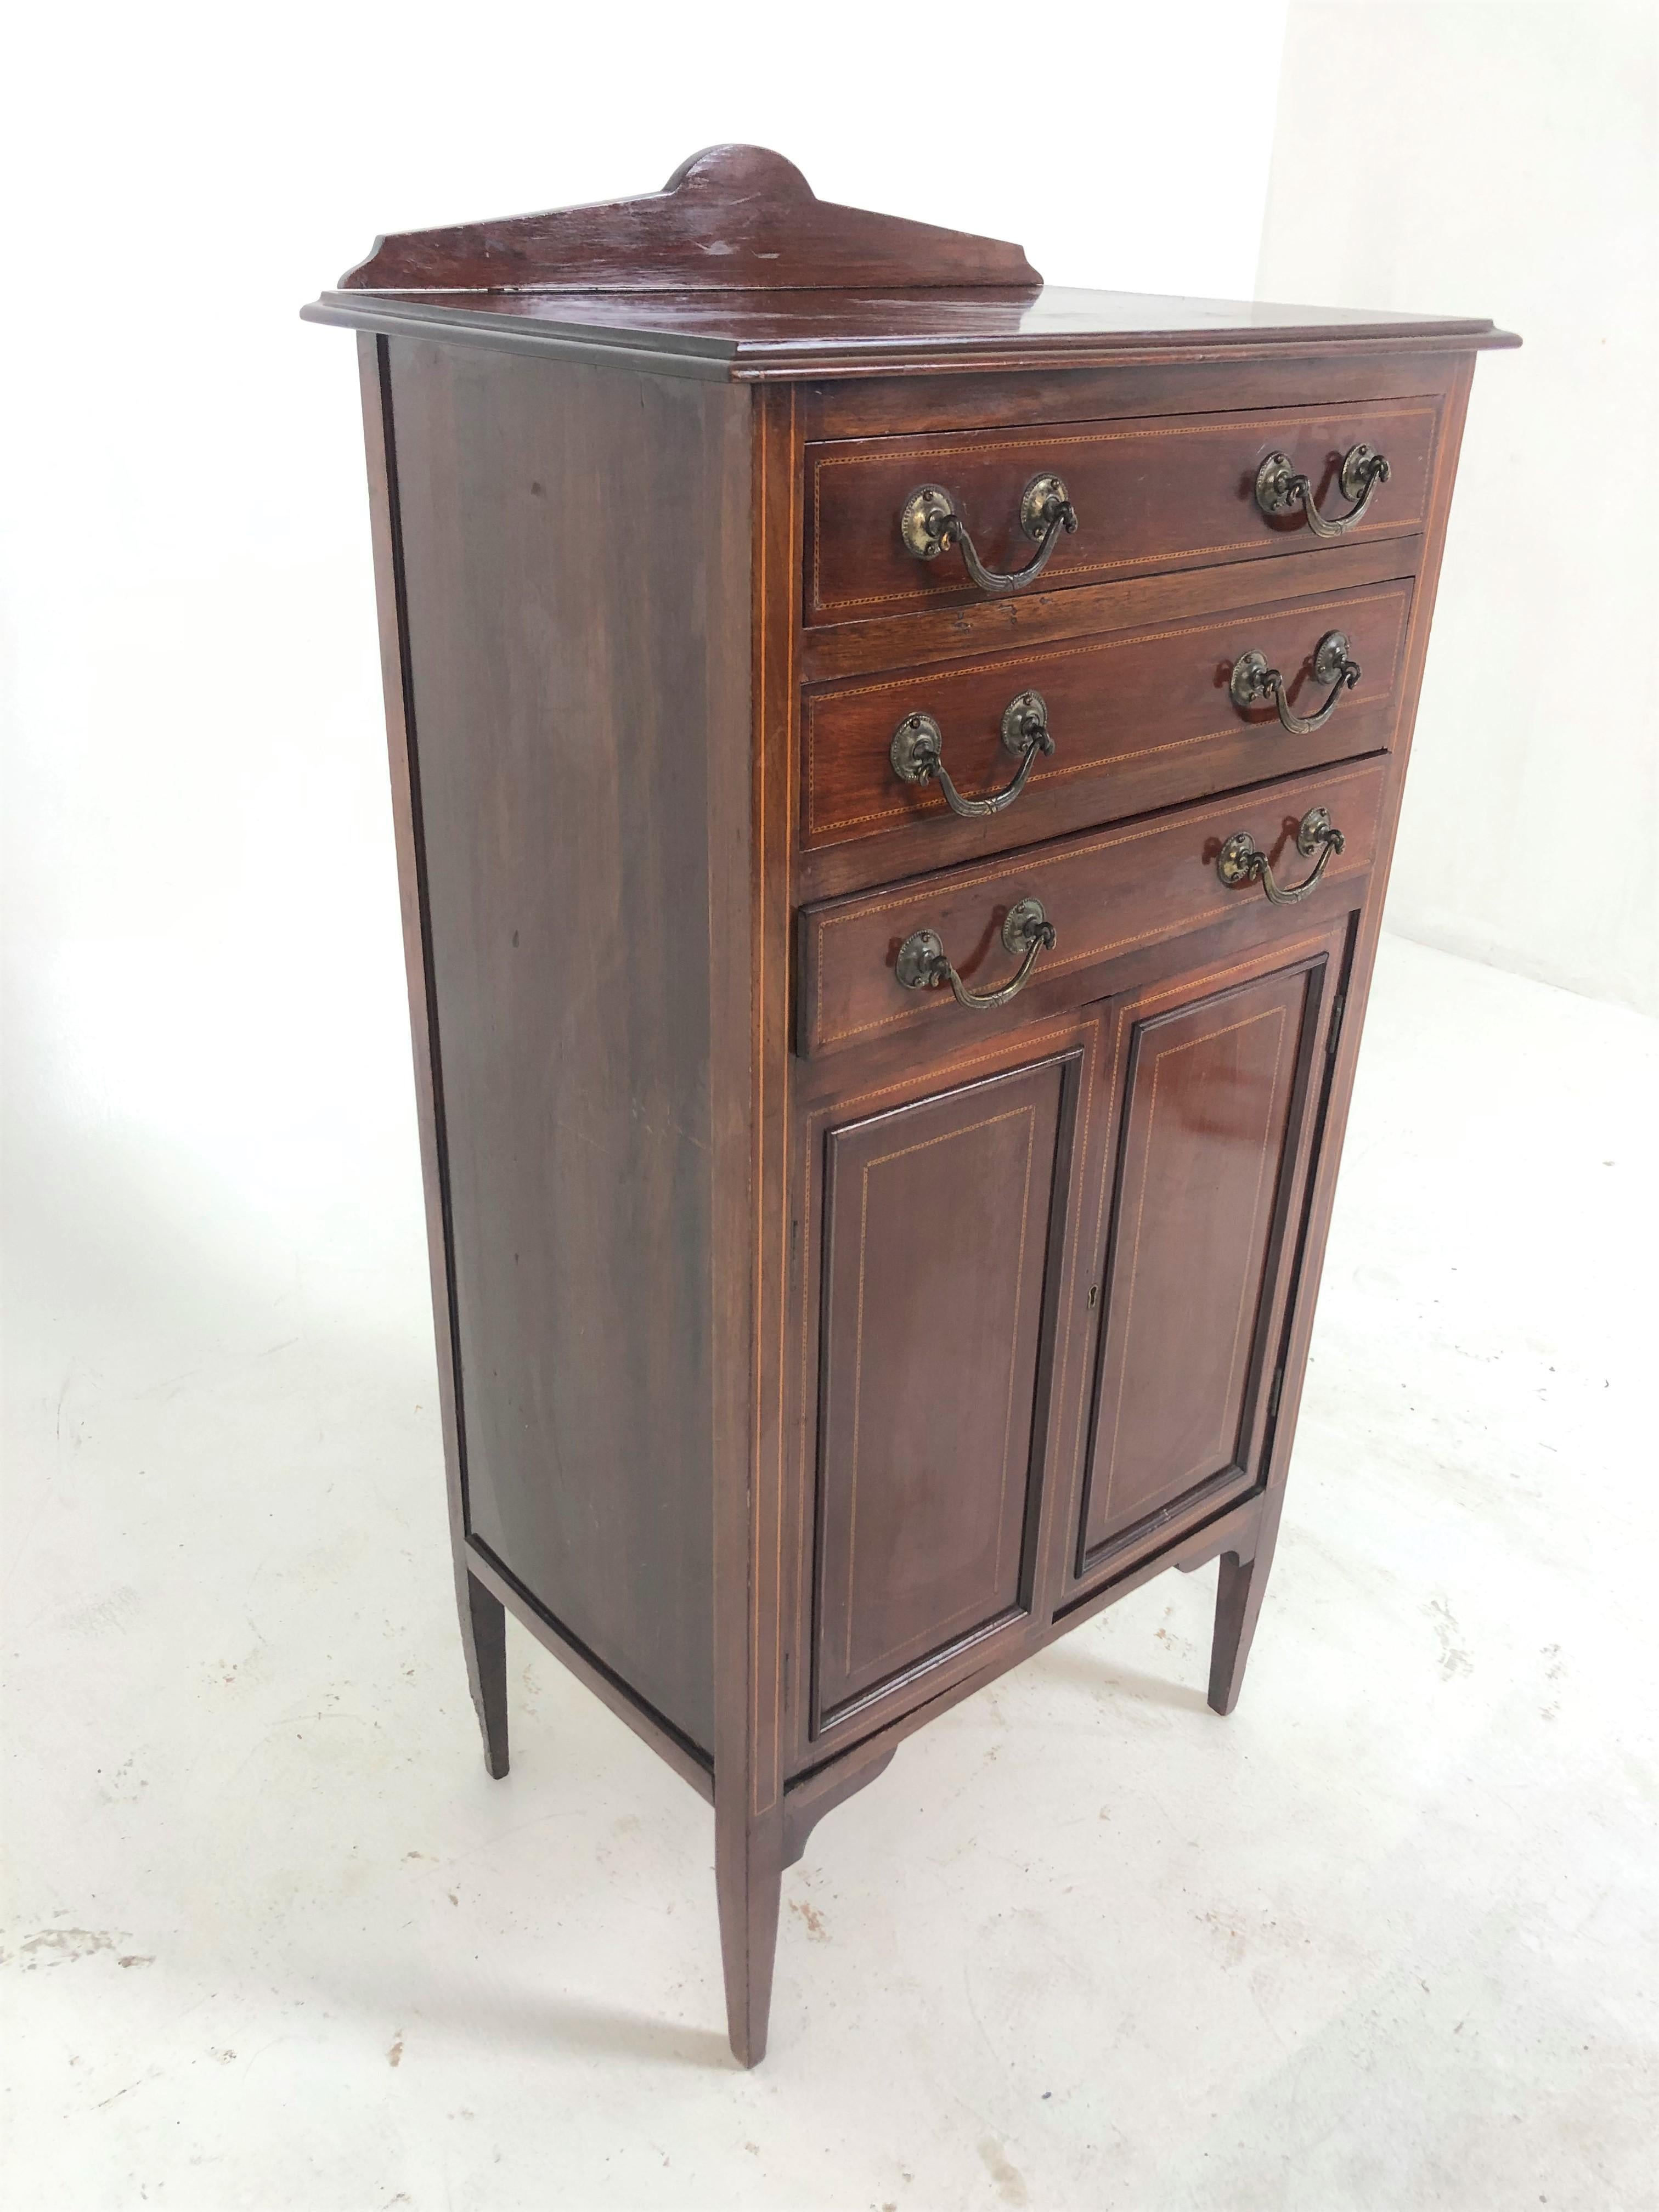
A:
x: 865, y: 960
x: 1138, y: 720
x: 1163, y: 492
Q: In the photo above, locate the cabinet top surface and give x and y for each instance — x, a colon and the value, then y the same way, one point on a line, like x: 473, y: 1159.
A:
x: 736, y: 268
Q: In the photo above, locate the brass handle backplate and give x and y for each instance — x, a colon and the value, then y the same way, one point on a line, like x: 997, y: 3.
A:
x: 1254, y: 683
x: 930, y: 525
x: 1280, y: 489
x: 918, y: 746
x: 1242, y: 861
x: 923, y: 963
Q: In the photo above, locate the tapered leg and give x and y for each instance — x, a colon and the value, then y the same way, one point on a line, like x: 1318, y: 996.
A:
x: 748, y: 1870
x: 484, y: 1638
x: 1237, y: 1604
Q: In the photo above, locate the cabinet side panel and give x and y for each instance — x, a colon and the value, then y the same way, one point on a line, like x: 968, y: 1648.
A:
x: 576, y: 551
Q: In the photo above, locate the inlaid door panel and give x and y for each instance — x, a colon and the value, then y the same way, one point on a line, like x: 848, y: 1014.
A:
x: 1214, y: 1091
x: 940, y: 1238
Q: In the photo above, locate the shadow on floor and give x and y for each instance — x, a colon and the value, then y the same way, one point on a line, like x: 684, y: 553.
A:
x: 579, y: 2024
x: 1072, y: 1664
x: 494, y: 2013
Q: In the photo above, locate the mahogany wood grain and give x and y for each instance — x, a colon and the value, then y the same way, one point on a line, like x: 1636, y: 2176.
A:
x: 1300, y: 952
x: 860, y: 1091
x: 849, y: 1767
x: 568, y: 689
x: 488, y: 1636
x: 1140, y: 719
x: 689, y: 1760
x: 1142, y: 884
x: 483, y: 1643
x: 937, y: 1250
x: 761, y: 336
x: 641, y: 672
x: 1203, y: 967
x: 730, y: 219
x: 724, y: 273
x: 1241, y: 1586
x: 1288, y: 374
x: 1150, y: 493
x: 887, y: 1066
x: 1000, y: 625
x: 765, y: 331
x: 752, y: 1506
x: 1216, y: 1089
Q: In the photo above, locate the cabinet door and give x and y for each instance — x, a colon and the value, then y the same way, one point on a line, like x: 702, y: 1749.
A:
x: 1215, y: 1088
x: 941, y: 1241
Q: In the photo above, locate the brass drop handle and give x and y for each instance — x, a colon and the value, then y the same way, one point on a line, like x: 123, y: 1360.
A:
x: 1253, y: 682
x: 923, y: 963
x: 918, y: 747
x: 930, y: 525
x: 1279, y: 490
x: 1242, y: 861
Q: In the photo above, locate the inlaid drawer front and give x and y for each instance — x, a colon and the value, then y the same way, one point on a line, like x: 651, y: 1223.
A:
x: 1078, y: 732
x: 895, y: 523
x: 959, y: 944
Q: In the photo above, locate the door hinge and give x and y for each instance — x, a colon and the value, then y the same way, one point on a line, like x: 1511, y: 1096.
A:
x: 1273, y: 1395
x: 1339, y: 1007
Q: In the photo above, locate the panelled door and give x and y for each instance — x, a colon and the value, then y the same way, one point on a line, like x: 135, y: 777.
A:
x: 940, y: 1240
x: 1216, y: 1081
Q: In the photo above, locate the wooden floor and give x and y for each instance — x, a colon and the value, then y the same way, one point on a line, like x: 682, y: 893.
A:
x: 272, y: 1939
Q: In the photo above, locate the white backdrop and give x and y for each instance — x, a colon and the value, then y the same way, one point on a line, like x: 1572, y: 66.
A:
x: 1490, y: 158
x: 205, y: 1021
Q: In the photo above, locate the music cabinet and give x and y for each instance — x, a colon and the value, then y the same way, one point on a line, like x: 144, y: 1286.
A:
x: 895, y: 768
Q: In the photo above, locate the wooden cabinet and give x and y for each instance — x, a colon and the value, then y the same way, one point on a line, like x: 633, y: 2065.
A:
x: 894, y: 773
